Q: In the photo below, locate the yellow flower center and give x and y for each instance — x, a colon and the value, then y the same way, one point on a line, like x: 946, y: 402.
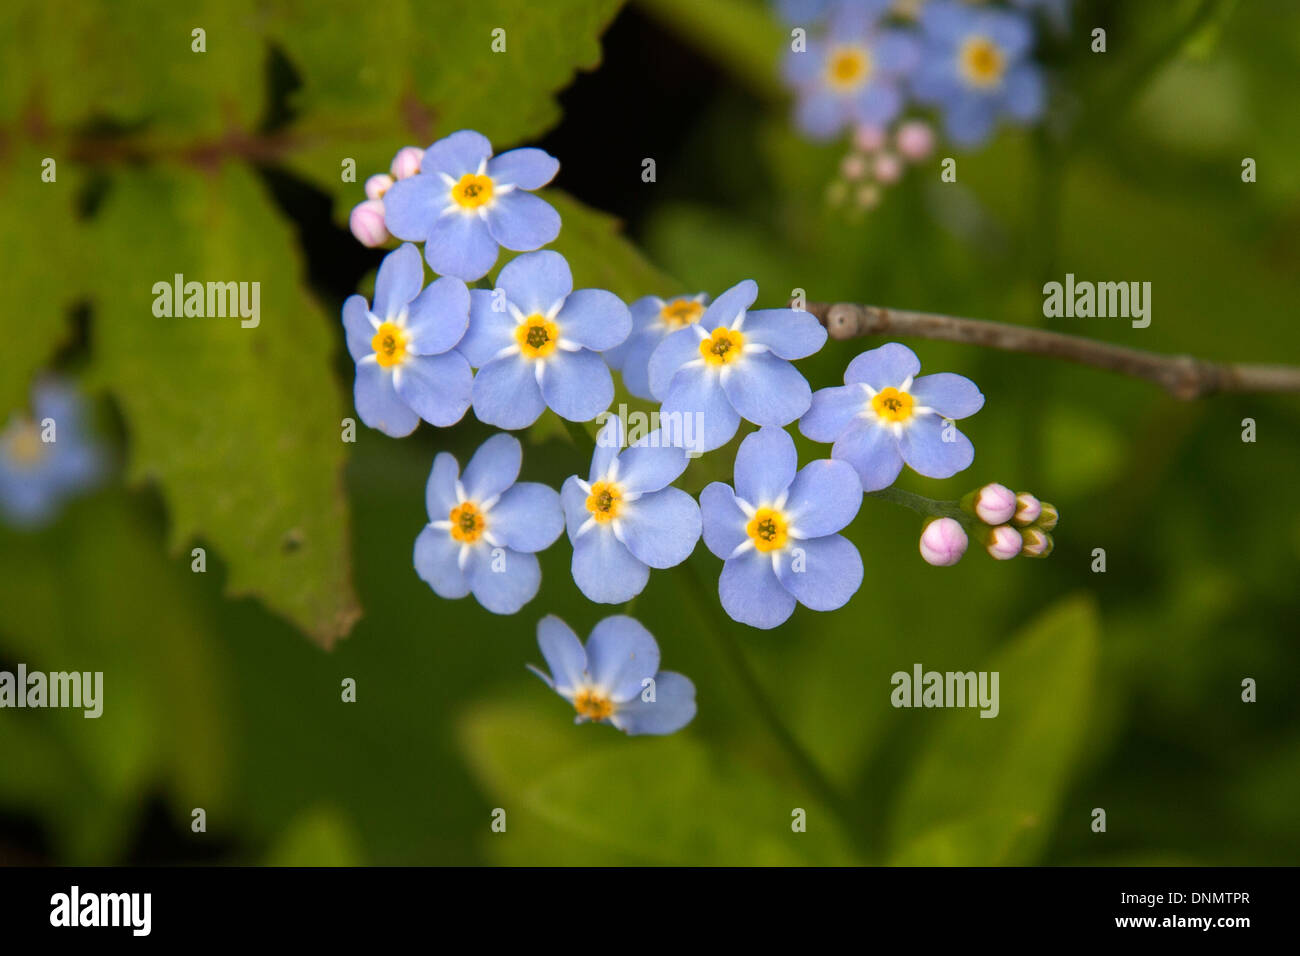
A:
x: 722, y: 347
x: 848, y: 68
x: 592, y: 704
x: 25, y: 445
x: 389, y: 344
x: 982, y: 63
x: 893, y: 405
x: 605, y: 501
x: 467, y: 522
x: 537, y: 336
x: 769, y: 529
x: 472, y: 191
x: 681, y: 312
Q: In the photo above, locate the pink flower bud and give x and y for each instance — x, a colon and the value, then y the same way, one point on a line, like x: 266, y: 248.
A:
x: 868, y: 197
x: 853, y: 167
x: 407, y: 162
x: 367, y: 223
x: 1027, y: 508
x: 994, y: 504
x: 915, y: 140
x: 1038, y: 543
x: 1048, y: 517
x: 377, y: 185
x: 1003, y: 542
x: 943, y: 542
x: 868, y: 138
x: 888, y: 169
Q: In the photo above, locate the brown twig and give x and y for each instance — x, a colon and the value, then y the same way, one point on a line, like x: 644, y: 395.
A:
x: 1183, y: 376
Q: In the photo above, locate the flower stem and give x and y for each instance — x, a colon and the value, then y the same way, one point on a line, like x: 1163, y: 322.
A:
x: 929, y: 507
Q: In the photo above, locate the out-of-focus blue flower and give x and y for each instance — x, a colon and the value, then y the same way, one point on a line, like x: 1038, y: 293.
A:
x: 615, y: 679
x: 407, y: 368
x: 47, y: 457
x: 653, y: 319
x: 884, y: 416
x: 625, y: 519
x: 1057, y: 11
x: 735, y: 363
x: 776, y: 532
x: 484, y: 528
x: 853, y: 76
x: 536, y: 343
x: 465, y: 202
x: 975, y: 68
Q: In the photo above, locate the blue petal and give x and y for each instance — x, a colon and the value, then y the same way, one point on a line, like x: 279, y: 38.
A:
x: 437, y: 563
x: 671, y: 710
x: 751, y: 593
x: 506, y: 393
x: 723, y: 521
x: 895, y: 51
x: 489, y: 331
x: 520, y: 221
x: 824, y: 497
x: 456, y: 155
x: 726, y: 308
x: 925, y: 451
x: 952, y: 396
x: 577, y: 385
x: 536, y: 282
x: 527, y: 518
x: 440, y: 490
x: 356, y: 324
x: 696, y: 392
x: 378, y: 403
x: 832, y: 572
x: 526, y: 168
x: 832, y: 411
x: 1012, y: 32
x: 605, y: 570
x: 873, y: 453
x: 633, y: 358
x: 574, y: 501
x: 662, y: 528
x: 767, y: 390
x: 945, y: 20
x: 676, y: 349
x: 595, y: 319
x: 437, y: 387
x: 766, y: 463
x: 459, y: 245
x: 493, y: 468
x: 789, y: 333
x: 650, y: 464
x: 439, y: 316
x: 609, y: 442
x: 503, y: 581
x: 413, y: 205
x: 877, y: 104
x: 620, y: 654
x: 821, y: 114
x: 888, y: 366
x: 400, y: 277
x: 1024, y: 93
x: 563, y: 653
x: 969, y: 121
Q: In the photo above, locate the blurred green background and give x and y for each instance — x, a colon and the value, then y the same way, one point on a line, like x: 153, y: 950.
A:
x: 1119, y: 690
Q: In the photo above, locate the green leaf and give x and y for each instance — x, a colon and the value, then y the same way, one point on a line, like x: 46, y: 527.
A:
x: 240, y: 427
x: 986, y: 791
x: 318, y: 837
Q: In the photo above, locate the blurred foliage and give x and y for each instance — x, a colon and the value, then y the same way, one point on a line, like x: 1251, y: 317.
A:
x: 1118, y: 690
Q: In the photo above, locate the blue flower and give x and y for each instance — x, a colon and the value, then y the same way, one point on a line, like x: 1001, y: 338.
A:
x: 484, y: 528
x: 536, y: 343
x: 975, y: 69
x: 734, y: 363
x: 47, y: 457
x: 653, y: 319
x: 465, y: 202
x: 854, y: 76
x: 403, y: 345
x: 616, y: 678
x: 776, y: 532
x: 625, y: 519
x: 884, y: 416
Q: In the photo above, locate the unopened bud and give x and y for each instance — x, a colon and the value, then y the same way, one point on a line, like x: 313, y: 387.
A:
x: 887, y: 168
x: 1003, y: 542
x: 992, y: 504
x: 407, y: 162
x: 367, y: 223
x: 868, y: 197
x: 853, y: 167
x: 1027, y: 508
x: 1037, y: 543
x: 1047, y: 517
x: 915, y: 140
x: 377, y: 185
x: 943, y: 542
x: 868, y: 138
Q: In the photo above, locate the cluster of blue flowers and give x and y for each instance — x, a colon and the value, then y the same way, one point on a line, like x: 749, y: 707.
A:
x: 46, y: 457
x: 531, y: 342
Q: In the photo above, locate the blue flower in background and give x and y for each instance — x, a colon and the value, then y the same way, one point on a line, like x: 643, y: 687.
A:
x: 854, y: 76
x: 776, y: 532
x: 625, y: 519
x: 484, y: 528
x: 974, y: 68
x: 536, y: 343
x: 403, y: 345
x: 735, y: 363
x: 884, y: 416
x: 615, y: 679
x: 653, y: 319
x: 46, y: 458
x: 465, y: 202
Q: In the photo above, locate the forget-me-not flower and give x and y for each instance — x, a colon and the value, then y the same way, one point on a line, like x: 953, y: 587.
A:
x: 615, y: 679
x: 653, y: 319
x: 776, y: 532
x: 465, y: 202
x: 884, y: 416
x: 484, y: 528
x: 47, y: 457
x: 975, y: 68
x: 536, y: 343
x: 404, y: 347
x: 625, y: 518
x: 735, y: 363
